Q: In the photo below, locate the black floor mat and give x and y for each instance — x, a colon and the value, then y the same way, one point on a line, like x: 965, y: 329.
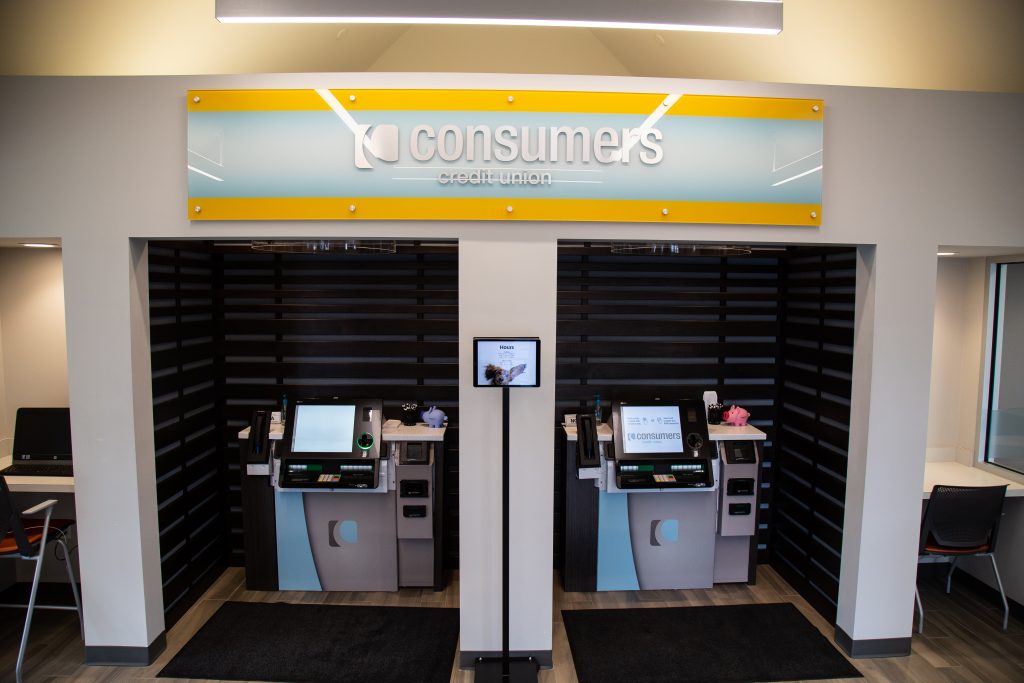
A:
x: 727, y: 644
x: 286, y: 642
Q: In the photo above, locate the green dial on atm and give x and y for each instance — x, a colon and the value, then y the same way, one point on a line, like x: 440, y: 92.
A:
x: 365, y: 441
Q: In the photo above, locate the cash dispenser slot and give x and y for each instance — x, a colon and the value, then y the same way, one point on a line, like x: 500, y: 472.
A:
x: 739, y: 508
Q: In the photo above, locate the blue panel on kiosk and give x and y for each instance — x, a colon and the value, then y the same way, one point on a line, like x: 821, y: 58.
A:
x: 295, y: 567
x: 615, y: 568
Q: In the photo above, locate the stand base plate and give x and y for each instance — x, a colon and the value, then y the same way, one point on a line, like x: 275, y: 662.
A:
x: 520, y: 670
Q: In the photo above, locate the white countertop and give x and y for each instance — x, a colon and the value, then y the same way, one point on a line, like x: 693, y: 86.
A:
x: 393, y: 430
x: 955, y: 474
x: 730, y: 433
x: 37, y: 484
x: 276, y: 432
x: 604, y: 432
x: 716, y: 432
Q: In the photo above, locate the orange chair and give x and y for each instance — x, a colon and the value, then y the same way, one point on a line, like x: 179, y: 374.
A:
x: 26, y: 539
x: 961, y: 521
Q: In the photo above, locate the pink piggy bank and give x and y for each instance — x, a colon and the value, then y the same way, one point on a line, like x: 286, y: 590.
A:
x: 735, y: 416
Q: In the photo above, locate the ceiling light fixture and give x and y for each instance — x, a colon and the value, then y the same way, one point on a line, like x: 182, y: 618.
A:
x: 674, y: 249
x: 39, y: 245
x: 722, y: 16
x: 947, y: 253
x: 325, y: 246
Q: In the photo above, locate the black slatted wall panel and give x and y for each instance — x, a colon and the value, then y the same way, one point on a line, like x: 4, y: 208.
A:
x: 190, y: 460
x: 635, y: 327
x: 233, y: 330
x: 814, y: 418
x: 347, y: 324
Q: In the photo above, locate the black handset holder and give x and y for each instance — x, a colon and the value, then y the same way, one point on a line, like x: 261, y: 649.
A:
x: 587, y: 450
x: 258, y: 450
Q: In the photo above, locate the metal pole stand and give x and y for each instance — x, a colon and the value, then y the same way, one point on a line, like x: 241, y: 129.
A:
x: 505, y: 669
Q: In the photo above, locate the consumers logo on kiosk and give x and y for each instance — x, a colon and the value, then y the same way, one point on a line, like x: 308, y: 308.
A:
x: 342, y: 532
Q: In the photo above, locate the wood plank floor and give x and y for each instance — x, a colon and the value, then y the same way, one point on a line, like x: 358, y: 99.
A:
x: 962, y: 642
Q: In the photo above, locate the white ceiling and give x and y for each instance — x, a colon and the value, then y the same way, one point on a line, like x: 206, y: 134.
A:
x: 930, y: 44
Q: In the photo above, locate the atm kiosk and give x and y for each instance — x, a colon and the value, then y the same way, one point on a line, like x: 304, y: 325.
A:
x: 341, y: 500
x: 656, y: 516
x: 335, y: 514
x: 659, y: 499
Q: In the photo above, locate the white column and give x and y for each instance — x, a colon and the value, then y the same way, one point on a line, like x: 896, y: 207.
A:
x: 112, y: 437
x: 507, y: 287
x: 888, y: 440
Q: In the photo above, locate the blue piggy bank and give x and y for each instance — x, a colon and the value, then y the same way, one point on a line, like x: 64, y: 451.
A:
x: 434, y: 417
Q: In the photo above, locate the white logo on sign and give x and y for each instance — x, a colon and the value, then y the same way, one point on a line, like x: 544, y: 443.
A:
x: 381, y: 142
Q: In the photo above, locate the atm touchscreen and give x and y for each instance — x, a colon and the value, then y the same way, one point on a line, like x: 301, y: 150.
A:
x: 324, y: 429
x: 651, y: 429
x: 662, y: 445
x: 331, y: 443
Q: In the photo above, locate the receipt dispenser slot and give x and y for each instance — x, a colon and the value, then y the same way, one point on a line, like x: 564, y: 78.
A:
x: 414, y: 488
x: 740, y: 487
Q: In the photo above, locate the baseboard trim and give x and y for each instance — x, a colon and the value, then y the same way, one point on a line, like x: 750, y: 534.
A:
x: 116, y: 655
x: 467, y: 658
x: 869, y: 649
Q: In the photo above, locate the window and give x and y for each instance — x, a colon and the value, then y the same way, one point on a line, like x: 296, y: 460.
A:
x: 1004, y: 416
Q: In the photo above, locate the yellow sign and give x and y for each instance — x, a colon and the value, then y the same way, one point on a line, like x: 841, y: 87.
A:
x: 503, y: 155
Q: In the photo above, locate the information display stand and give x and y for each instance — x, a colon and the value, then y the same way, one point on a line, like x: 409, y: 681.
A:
x: 506, y: 668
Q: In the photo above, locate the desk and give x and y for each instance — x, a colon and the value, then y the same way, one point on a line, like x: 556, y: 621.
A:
x: 37, y: 484
x: 1010, y: 552
x: 30, y: 491
x: 955, y: 474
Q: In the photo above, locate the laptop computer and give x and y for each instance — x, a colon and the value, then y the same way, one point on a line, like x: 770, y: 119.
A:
x: 42, y: 443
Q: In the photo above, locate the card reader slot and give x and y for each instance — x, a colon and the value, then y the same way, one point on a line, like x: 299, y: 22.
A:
x: 327, y: 474
x: 739, y: 508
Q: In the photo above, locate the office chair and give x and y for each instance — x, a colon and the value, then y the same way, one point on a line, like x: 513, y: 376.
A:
x: 26, y: 539
x: 961, y: 521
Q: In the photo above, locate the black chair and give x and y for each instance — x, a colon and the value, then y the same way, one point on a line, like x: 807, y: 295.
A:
x: 26, y: 539
x: 961, y: 521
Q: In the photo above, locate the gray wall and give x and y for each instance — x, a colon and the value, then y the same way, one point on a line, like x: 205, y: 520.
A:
x: 1011, y: 371
x: 101, y: 163
x: 33, y: 348
x: 957, y: 359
